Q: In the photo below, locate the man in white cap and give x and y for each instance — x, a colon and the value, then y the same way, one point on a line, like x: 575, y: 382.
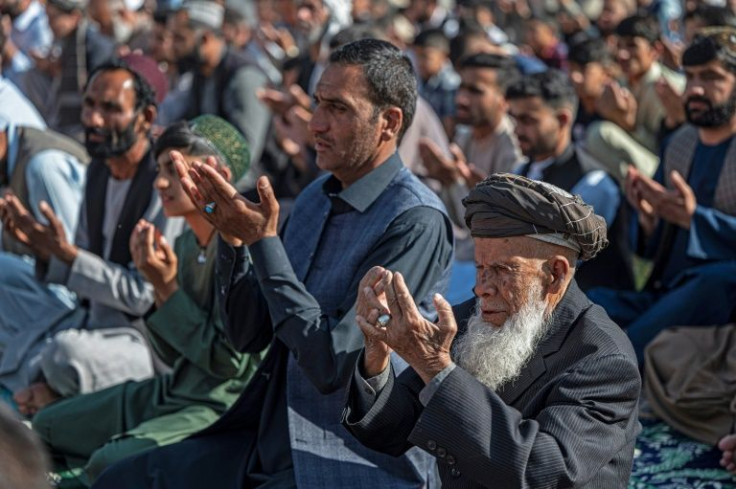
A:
x: 224, y: 81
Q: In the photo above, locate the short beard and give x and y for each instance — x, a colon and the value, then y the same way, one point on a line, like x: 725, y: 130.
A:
x: 496, y: 356
x: 716, y: 115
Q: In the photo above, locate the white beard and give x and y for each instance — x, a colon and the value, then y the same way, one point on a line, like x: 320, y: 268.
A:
x: 496, y: 356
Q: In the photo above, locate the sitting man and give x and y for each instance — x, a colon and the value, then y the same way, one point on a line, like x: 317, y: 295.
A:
x: 186, y: 330
x: 539, y: 389
x: 298, y: 294
x: 97, y: 343
x: 543, y: 106
x: 687, y: 213
x: 633, y: 114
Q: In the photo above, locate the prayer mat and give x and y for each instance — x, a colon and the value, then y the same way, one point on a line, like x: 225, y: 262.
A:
x: 667, y: 459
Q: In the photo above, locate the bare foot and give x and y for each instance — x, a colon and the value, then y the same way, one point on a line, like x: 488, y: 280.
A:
x: 728, y: 447
x: 34, y: 397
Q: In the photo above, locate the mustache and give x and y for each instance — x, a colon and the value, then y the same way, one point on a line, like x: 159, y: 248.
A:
x: 97, y: 131
x: 698, y: 98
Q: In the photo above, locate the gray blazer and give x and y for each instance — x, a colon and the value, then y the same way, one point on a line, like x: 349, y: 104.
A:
x: 570, y: 420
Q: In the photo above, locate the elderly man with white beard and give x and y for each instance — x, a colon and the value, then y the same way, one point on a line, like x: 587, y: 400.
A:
x: 528, y: 385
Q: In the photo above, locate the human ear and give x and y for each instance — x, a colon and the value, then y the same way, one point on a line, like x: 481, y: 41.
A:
x: 559, y: 270
x: 393, y: 118
x: 148, y: 115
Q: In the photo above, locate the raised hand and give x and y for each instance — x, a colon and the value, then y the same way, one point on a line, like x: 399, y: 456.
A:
x: 421, y: 343
x: 45, y: 240
x: 370, y: 305
x: 238, y: 220
x: 647, y: 217
x: 617, y: 104
x: 155, y: 259
x: 676, y: 206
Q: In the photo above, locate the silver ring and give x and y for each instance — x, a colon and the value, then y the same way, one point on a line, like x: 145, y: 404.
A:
x: 383, y: 320
x: 210, y: 207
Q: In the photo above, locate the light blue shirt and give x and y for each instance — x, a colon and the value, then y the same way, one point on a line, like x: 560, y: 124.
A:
x: 55, y: 177
x: 16, y: 109
x: 30, y: 33
x: 599, y: 190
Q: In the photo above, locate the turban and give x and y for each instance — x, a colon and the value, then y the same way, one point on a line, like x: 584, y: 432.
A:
x: 227, y: 140
x: 505, y: 205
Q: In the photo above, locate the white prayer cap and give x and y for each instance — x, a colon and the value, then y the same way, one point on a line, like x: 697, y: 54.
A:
x: 204, y: 13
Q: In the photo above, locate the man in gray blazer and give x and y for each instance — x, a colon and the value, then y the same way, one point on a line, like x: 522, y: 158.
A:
x: 539, y: 389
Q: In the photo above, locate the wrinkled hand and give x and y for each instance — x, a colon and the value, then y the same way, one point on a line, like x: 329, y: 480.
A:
x: 422, y: 344
x: 617, y: 104
x: 44, y: 240
x: 370, y: 305
x: 671, y: 102
x: 238, y: 220
x: 676, y: 206
x: 155, y: 259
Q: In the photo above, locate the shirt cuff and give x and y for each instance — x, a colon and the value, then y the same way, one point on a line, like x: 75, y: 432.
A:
x: 368, y: 389
x: 425, y: 395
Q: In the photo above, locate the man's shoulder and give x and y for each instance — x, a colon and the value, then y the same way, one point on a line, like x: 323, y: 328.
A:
x: 595, y: 334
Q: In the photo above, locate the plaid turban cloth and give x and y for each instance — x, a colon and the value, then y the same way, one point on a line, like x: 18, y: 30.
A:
x: 505, y: 205
x: 227, y: 140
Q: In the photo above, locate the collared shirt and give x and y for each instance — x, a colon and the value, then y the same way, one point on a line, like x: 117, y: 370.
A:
x: 414, y: 244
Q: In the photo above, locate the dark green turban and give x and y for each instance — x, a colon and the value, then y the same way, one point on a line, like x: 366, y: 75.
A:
x: 505, y: 205
x: 227, y: 140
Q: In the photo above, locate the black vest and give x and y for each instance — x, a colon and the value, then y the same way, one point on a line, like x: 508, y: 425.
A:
x: 136, y: 202
x: 612, y: 267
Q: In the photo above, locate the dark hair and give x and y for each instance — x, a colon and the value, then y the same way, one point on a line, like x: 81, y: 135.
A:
x: 552, y: 86
x: 640, y: 26
x: 388, y: 73
x: 505, y: 66
x: 549, y: 22
x: 353, y: 33
x: 179, y: 136
x: 712, y: 16
x: 432, y: 38
x: 144, y: 93
x: 459, y: 44
x: 711, y: 45
x: 590, y: 51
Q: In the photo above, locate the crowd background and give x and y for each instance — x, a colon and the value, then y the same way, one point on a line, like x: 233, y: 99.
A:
x: 614, y: 93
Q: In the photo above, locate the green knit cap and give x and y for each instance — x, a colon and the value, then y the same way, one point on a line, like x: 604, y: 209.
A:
x: 227, y: 140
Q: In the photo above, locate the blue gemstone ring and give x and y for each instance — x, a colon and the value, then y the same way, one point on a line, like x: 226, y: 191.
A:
x: 210, y: 208
x: 383, y: 320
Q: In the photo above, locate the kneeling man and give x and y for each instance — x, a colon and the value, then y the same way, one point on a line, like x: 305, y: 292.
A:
x: 538, y: 389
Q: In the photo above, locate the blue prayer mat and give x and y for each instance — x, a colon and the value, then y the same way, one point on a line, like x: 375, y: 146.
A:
x: 667, y: 459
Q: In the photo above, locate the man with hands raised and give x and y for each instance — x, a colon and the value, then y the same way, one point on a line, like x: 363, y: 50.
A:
x: 687, y: 212
x: 296, y: 293
x: 534, y: 386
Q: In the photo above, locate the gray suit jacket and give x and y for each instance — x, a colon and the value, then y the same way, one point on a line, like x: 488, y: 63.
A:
x: 570, y: 420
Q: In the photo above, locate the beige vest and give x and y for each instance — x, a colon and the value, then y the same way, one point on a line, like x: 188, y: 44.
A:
x: 32, y: 141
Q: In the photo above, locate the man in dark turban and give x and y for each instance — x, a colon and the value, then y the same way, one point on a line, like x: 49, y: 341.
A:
x: 529, y: 384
